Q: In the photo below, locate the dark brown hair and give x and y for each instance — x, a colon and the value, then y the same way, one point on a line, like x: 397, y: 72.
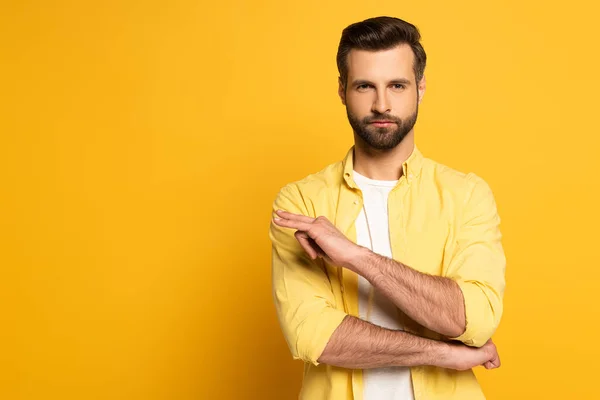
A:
x: 380, y: 33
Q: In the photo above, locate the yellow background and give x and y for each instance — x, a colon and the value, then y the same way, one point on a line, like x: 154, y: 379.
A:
x: 142, y: 144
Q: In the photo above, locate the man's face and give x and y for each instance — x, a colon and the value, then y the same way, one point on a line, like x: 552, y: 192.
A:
x: 380, y: 87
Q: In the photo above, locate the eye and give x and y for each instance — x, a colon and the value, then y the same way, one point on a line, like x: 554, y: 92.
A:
x: 363, y: 87
x: 398, y: 86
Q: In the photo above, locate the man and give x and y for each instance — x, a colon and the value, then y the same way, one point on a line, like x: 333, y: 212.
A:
x: 388, y: 268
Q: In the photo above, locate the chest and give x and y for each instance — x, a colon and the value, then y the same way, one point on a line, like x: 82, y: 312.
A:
x: 415, y: 230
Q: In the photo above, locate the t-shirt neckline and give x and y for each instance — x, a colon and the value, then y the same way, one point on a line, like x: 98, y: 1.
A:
x: 358, y: 178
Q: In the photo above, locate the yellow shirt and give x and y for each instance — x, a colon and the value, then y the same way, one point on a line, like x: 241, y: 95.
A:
x: 441, y: 222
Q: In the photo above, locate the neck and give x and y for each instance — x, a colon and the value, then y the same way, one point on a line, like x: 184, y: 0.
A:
x: 384, y: 165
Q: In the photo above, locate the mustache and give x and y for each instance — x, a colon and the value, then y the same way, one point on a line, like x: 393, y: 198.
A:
x: 382, y: 117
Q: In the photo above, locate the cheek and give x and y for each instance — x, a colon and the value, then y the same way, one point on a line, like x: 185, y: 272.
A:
x: 358, y: 105
x: 406, y: 103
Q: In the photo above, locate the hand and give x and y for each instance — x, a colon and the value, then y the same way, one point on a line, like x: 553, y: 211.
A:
x: 320, y: 238
x: 462, y: 357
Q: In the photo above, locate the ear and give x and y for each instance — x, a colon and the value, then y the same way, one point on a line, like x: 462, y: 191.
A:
x: 341, y: 91
x: 421, y: 88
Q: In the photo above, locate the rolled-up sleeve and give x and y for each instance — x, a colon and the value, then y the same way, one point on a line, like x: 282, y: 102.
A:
x: 478, y: 263
x: 302, y: 292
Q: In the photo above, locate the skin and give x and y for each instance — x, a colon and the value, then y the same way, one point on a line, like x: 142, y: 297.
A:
x: 381, y: 85
x: 360, y: 344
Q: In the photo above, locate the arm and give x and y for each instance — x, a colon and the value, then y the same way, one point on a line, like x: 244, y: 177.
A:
x: 466, y: 304
x: 359, y: 344
x: 478, y: 264
x: 316, y: 331
x: 434, y: 302
x: 302, y: 293
x: 476, y: 267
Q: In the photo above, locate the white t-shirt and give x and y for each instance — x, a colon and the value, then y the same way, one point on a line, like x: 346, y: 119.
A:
x: 389, y: 383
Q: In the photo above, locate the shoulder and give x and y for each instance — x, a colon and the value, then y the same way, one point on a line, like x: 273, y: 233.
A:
x: 314, y: 185
x: 461, y: 184
x: 466, y: 193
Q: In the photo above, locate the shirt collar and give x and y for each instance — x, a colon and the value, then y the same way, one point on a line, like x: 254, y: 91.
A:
x: 411, y: 168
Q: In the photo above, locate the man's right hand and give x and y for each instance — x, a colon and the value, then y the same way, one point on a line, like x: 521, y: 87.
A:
x: 461, y: 357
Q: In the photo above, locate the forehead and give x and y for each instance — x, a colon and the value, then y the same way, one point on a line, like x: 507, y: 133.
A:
x: 393, y: 63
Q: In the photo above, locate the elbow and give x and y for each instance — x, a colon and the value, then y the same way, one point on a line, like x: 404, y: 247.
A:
x: 477, y: 334
x: 483, y: 311
x: 306, y: 345
x: 456, y: 330
x: 307, y: 340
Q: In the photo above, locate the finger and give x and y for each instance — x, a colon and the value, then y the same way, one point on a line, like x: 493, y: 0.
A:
x: 306, y: 244
x: 318, y: 248
x: 492, y: 363
x: 320, y: 252
x: 286, y: 223
x: 495, y: 359
x: 294, y: 217
x: 497, y: 362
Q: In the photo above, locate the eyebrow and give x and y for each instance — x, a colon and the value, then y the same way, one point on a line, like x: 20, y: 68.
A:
x: 358, y: 82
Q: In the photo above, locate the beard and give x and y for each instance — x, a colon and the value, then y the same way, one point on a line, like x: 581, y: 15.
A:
x: 382, y: 138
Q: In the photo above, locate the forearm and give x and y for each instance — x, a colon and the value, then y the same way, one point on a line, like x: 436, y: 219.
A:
x: 434, y: 302
x: 358, y: 344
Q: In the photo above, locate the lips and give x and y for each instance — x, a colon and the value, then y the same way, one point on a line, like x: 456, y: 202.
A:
x: 382, y: 124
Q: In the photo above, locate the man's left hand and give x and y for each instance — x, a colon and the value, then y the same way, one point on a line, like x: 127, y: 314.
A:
x: 320, y: 238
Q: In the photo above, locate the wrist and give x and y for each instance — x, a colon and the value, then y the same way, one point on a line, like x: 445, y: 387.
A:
x: 444, y: 355
x: 358, y: 258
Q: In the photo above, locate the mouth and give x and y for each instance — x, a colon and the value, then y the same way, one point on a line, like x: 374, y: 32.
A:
x: 382, y: 123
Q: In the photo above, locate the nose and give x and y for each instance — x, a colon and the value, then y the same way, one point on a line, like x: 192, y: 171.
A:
x: 381, y: 105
